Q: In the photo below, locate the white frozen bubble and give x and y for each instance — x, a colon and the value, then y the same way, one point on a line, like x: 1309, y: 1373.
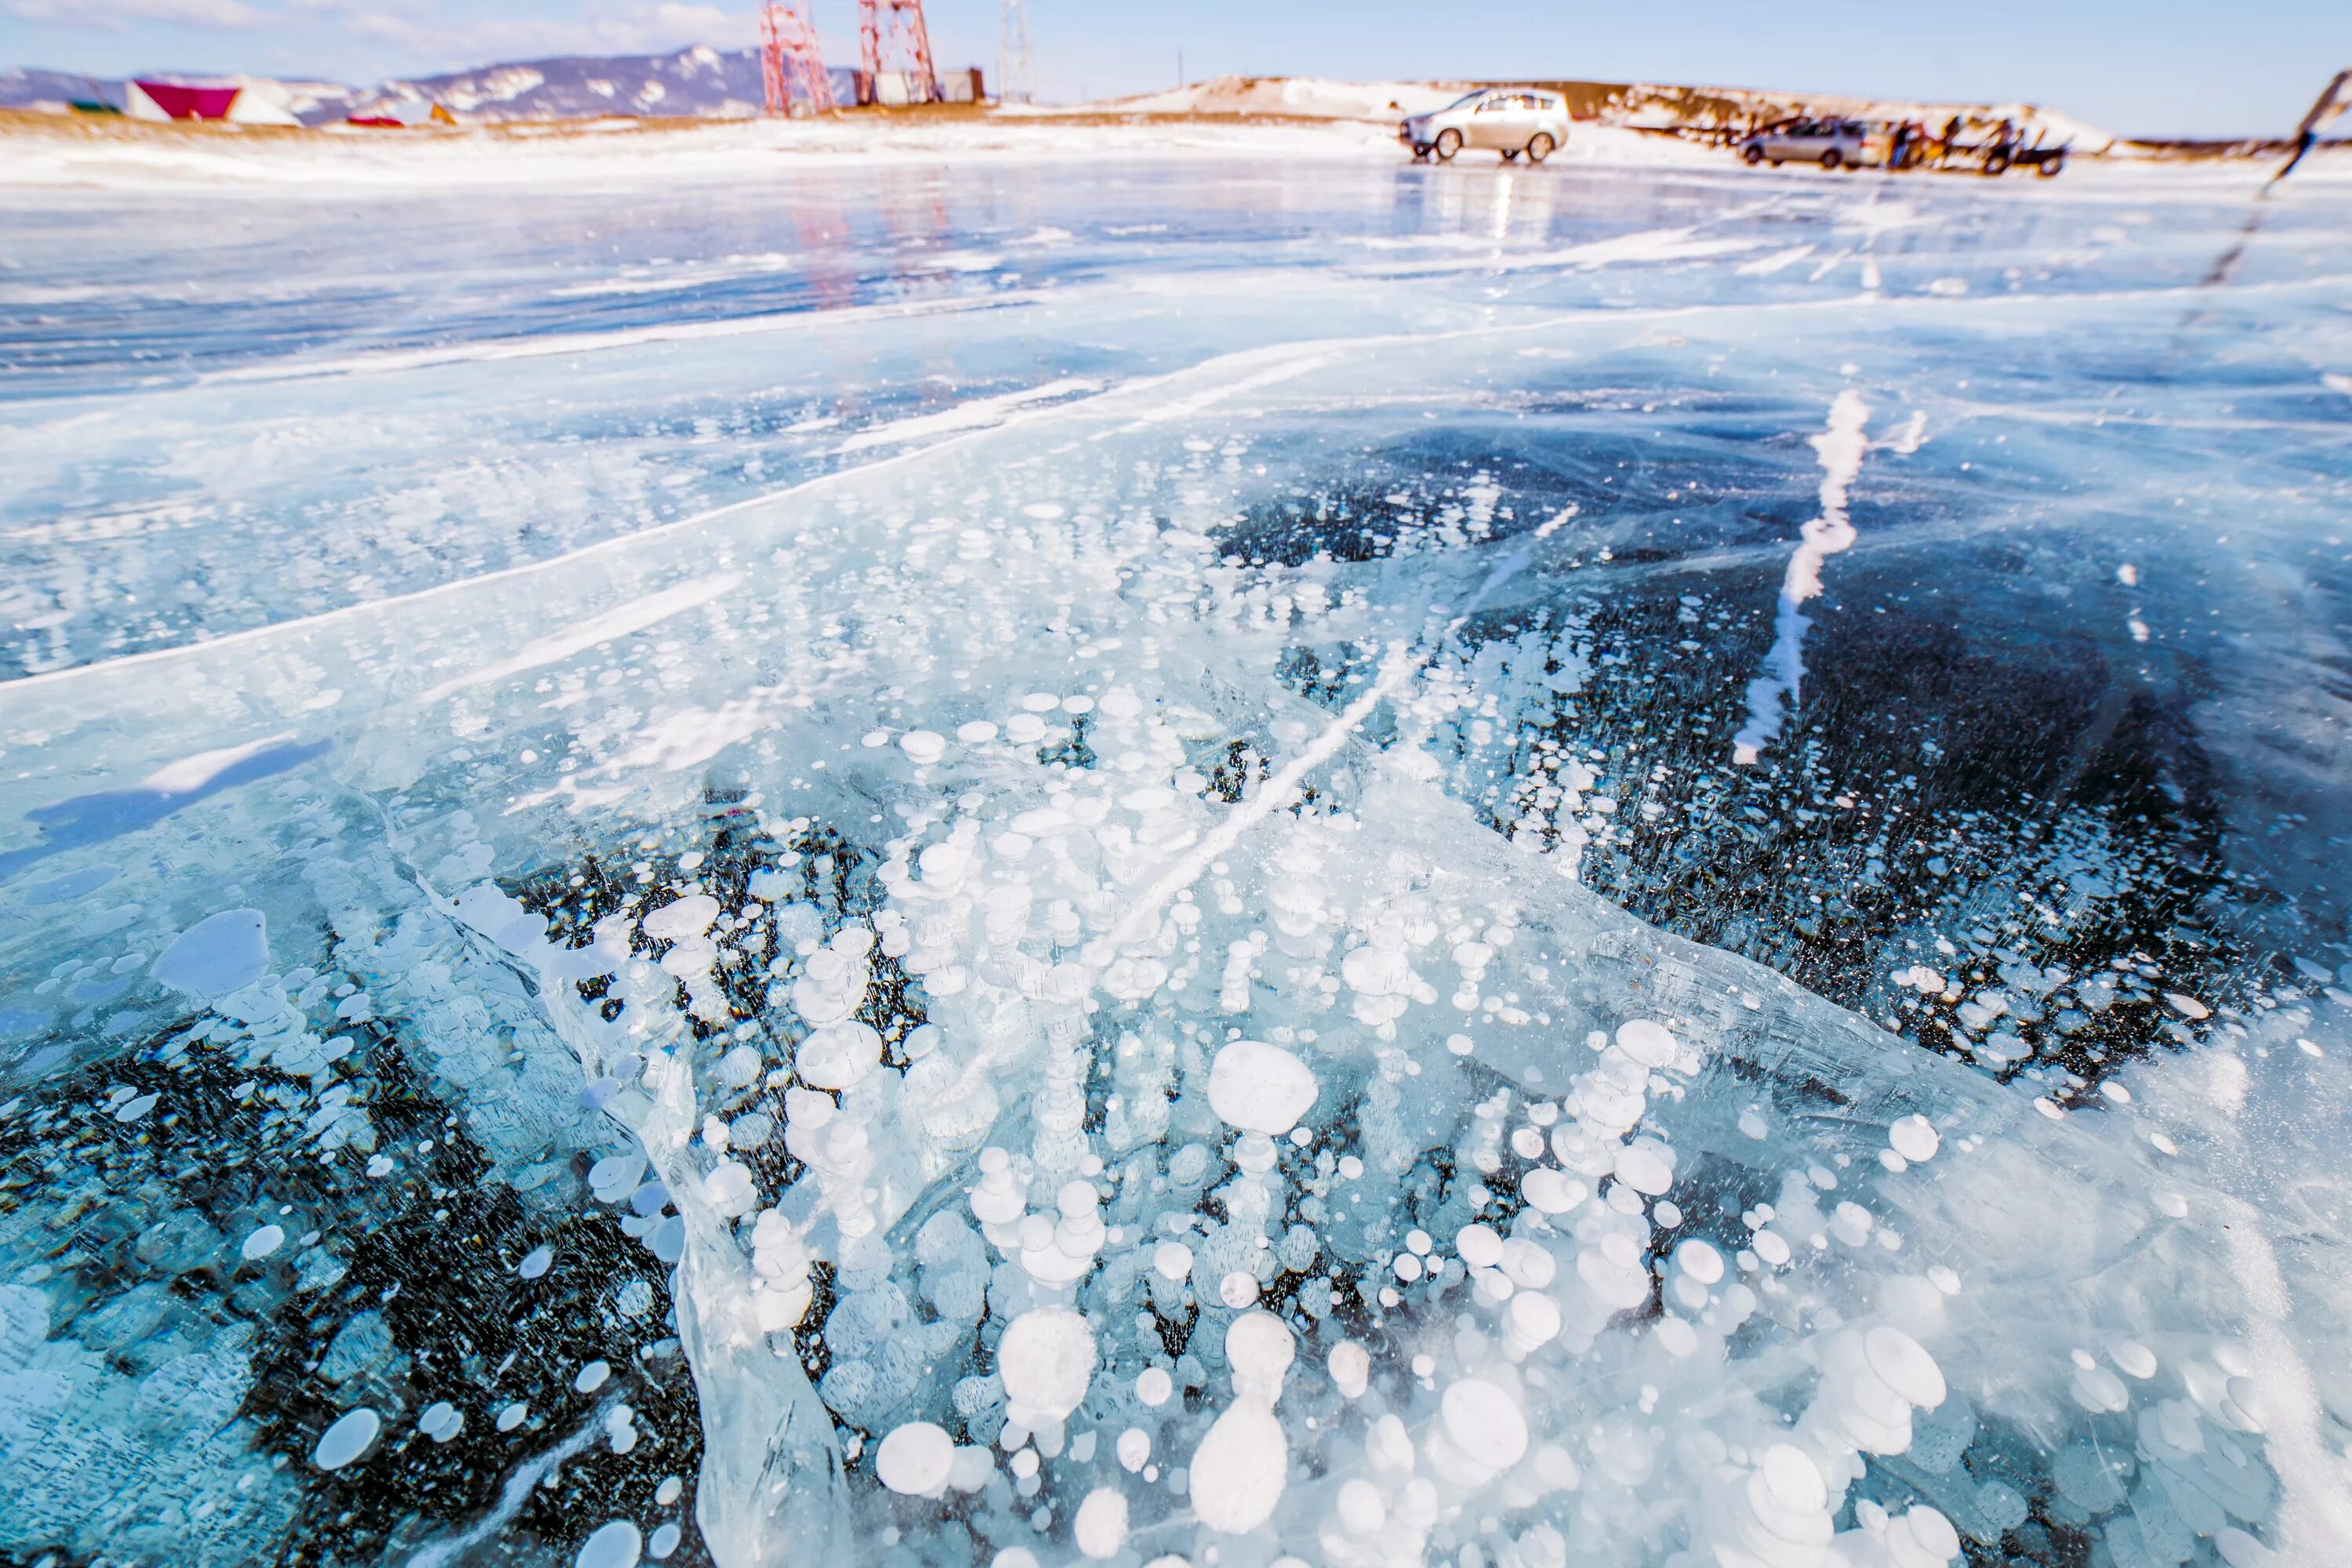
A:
x: 592, y: 1377
x: 514, y: 1415
x: 1650, y: 1044
x: 1240, y: 1469
x: 1172, y: 1260
x: 681, y: 919
x: 536, y: 1262
x: 1154, y: 1388
x: 1045, y: 1360
x: 1479, y: 1245
x: 970, y: 1468
x: 1362, y: 1512
x: 838, y: 1056
x: 1025, y: 728
x: 1926, y: 1530
x: 1904, y: 1364
x: 729, y: 1187
x: 1792, y: 1479
x: 613, y: 1178
x: 441, y: 1421
x: 1552, y: 1191
x: 263, y: 1242
x: 915, y: 1458
x: 1259, y: 1347
x: 925, y: 746
x: 979, y: 733
x: 1914, y: 1138
x: 663, y: 1541
x: 1530, y: 1320
x: 614, y: 1546
x: 348, y: 1440
x: 1099, y: 1528
x: 1134, y: 1446
x: 220, y: 954
x: 1485, y: 1423
x: 1260, y: 1087
x: 1700, y: 1260
x: 1642, y: 1166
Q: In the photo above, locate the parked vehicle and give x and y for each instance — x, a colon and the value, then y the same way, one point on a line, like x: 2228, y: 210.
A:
x: 2001, y: 155
x: 1832, y: 143
x: 1505, y: 119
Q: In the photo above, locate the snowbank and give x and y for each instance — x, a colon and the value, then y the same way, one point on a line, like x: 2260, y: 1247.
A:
x: 623, y: 153
x: 1232, y: 118
x: 1638, y: 105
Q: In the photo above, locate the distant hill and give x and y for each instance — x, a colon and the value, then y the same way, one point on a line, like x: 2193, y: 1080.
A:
x: 698, y: 81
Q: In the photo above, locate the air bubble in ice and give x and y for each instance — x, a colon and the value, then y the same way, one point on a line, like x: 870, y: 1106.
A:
x: 1914, y: 1138
x: 1260, y: 1087
x: 220, y: 954
x: 915, y: 1458
x: 839, y: 1056
x: 1100, y: 1527
x: 1045, y: 1360
x: 614, y: 1546
x: 347, y: 1440
x: 1240, y: 1469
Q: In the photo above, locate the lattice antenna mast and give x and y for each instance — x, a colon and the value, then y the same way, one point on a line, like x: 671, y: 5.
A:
x: 1016, y: 73
x: 791, y: 67
x: 892, y: 35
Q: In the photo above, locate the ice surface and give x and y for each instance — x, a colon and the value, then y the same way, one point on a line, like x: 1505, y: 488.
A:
x: 1044, y: 998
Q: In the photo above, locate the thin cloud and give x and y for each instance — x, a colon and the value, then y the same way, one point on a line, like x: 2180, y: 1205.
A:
x: 444, y: 44
x: 216, y: 15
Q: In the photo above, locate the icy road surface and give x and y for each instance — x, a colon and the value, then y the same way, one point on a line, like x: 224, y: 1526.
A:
x: 1185, y: 859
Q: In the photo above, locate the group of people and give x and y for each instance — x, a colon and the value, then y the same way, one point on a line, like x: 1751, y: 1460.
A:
x: 1909, y: 146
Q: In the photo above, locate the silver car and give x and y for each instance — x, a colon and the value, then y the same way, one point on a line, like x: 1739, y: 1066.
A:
x: 1505, y: 119
x: 1832, y: 143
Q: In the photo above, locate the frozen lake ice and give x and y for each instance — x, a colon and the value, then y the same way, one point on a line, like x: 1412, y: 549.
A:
x: 1232, y: 859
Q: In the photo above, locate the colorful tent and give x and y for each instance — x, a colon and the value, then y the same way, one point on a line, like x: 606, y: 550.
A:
x: 176, y: 100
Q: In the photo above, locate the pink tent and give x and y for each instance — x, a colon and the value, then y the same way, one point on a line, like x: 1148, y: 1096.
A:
x: 179, y: 102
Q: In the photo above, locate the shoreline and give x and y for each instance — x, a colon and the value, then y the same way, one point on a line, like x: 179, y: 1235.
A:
x: 48, y: 153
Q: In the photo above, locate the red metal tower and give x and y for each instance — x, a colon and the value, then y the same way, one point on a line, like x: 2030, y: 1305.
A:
x: 791, y: 67
x: 892, y: 37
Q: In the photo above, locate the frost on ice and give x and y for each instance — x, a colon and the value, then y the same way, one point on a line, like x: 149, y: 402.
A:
x: 1091, y: 1088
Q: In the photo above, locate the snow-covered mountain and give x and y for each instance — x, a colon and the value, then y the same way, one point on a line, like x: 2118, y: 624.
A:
x: 695, y: 81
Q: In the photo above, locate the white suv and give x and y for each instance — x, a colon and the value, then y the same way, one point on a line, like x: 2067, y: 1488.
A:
x: 1832, y: 143
x: 1505, y: 119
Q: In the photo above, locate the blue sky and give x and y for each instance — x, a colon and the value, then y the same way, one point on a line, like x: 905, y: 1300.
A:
x: 2154, y: 66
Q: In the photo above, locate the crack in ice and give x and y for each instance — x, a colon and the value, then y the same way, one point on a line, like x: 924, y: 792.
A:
x: 1840, y: 447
